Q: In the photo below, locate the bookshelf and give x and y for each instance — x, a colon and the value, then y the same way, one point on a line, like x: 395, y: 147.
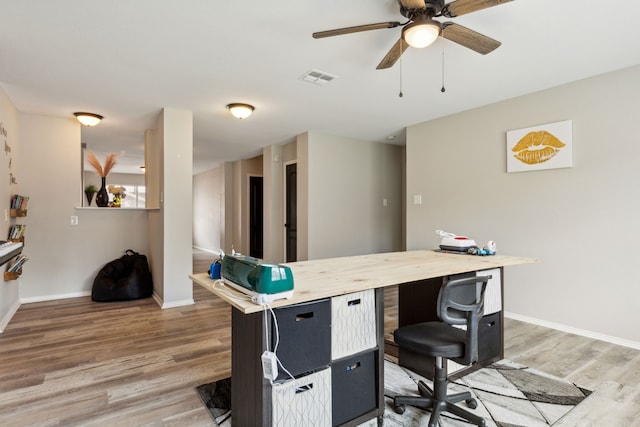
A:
x: 11, y: 250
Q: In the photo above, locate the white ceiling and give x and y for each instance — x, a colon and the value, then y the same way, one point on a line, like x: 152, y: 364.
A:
x: 126, y: 60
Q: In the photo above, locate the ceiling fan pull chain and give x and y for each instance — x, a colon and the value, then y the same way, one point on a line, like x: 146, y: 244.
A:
x: 442, y: 42
x: 400, y: 94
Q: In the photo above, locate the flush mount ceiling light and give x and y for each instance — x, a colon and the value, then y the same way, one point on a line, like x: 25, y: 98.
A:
x: 88, y: 119
x: 421, y: 32
x: 240, y: 111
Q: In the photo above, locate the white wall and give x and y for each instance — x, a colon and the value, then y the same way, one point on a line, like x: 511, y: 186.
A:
x: 153, y: 155
x: 64, y: 259
x: 9, y: 136
x: 207, y: 209
x: 273, y: 227
x: 340, y: 197
x: 581, y: 221
x: 348, y: 180
x: 171, y: 227
x: 303, y: 187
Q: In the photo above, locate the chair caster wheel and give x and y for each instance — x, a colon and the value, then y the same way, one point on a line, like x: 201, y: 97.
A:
x: 399, y: 409
x: 471, y: 403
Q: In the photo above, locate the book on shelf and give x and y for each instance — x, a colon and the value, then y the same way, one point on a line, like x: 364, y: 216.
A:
x: 19, y: 262
x: 16, y: 231
x: 19, y: 202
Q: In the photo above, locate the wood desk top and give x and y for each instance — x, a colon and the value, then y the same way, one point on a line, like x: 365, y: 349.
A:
x: 330, y: 277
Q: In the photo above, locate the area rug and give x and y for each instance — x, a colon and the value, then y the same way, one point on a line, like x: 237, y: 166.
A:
x: 216, y: 397
x: 508, y: 395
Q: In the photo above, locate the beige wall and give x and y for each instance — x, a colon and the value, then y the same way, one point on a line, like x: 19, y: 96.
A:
x: 9, y: 135
x: 213, y: 209
x: 242, y: 169
x: 581, y: 221
x: 272, y: 167
x: 355, y: 196
x: 348, y: 216
x: 208, y: 205
x: 64, y: 259
x: 173, y: 223
x: 227, y: 220
x: 303, y: 188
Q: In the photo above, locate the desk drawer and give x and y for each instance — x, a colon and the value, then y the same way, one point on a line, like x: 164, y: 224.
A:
x: 353, y: 318
x: 489, y: 337
x: 354, y: 386
x: 305, y: 401
x: 493, y: 293
x: 305, y: 337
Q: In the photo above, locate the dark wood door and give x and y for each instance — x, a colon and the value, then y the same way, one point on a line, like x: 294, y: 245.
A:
x: 291, y: 221
x: 255, y: 217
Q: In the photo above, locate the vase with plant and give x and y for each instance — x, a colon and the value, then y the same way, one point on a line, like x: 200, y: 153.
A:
x: 118, y: 195
x: 90, y: 191
x: 102, y: 197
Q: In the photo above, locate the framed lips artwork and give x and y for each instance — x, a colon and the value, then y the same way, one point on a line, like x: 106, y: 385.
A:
x: 548, y: 146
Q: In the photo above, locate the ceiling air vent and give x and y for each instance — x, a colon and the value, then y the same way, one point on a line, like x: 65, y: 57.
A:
x: 318, y: 77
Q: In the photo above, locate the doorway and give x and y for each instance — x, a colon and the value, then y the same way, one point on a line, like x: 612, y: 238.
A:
x: 255, y: 217
x: 291, y: 213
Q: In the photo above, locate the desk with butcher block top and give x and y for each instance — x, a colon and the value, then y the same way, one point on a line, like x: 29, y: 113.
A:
x: 331, y: 334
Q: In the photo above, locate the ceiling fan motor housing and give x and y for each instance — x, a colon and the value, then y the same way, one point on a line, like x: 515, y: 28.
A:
x: 432, y: 8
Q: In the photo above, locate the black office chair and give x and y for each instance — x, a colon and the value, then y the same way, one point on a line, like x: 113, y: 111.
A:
x: 460, y: 302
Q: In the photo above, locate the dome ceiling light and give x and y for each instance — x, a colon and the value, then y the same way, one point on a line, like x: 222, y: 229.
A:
x: 88, y: 119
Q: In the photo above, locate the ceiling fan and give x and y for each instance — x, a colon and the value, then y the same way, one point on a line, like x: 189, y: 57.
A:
x: 421, y: 29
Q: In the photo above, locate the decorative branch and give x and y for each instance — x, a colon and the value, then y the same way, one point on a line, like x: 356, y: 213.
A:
x: 109, y: 163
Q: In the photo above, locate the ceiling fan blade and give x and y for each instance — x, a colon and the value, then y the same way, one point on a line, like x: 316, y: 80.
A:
x: 356, y: 29
x: 469, y: 38
x: 393, y: 55
x: 413, y: 4
x: 462, y: 7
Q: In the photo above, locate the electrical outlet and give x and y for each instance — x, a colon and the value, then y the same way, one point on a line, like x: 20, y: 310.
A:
x: 74, y: 219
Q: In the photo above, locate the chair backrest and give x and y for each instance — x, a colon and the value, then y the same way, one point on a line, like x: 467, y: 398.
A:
x: 461, y: 302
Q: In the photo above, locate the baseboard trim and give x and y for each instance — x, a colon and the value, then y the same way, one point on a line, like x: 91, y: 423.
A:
x: 216, y: 253
x: 173, y: 304
x: 155, y: 296
x: 178, y: 303
x: 54, y: 297
x: 5, y: 321
x: 157, y: 299
x: 572, y: 330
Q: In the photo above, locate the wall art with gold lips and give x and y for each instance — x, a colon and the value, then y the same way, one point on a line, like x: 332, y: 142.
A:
x: 547, y: 146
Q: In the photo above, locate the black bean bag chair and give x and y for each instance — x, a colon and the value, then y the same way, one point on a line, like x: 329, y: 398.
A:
x: 123, y: 279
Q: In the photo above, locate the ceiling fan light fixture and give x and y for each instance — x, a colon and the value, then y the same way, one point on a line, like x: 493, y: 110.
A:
x: 88, y: 119
x: 421, y: 32
x: 240, y: 111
